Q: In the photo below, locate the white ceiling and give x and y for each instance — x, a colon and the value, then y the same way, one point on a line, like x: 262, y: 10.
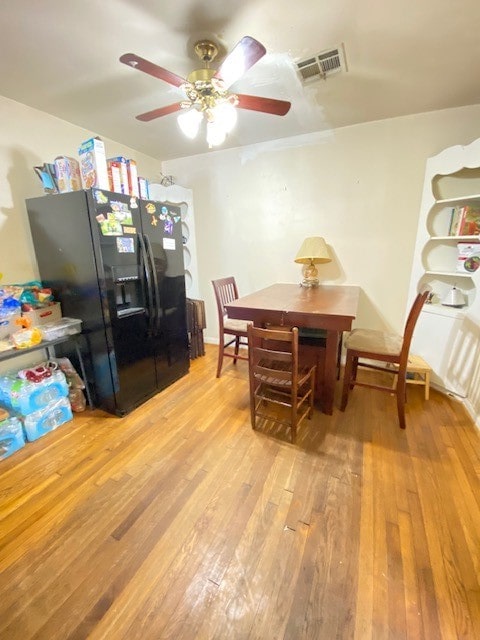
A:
x: 403, y: 57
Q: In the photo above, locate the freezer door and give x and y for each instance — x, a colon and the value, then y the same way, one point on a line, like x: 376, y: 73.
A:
x: 124, y: 269
x: 161, y: 224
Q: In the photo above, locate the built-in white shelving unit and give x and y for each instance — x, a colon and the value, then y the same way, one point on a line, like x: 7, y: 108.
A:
x: 176, y: 194
x: 448, y: 337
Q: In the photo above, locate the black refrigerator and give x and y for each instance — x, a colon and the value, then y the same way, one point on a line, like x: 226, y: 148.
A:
x: 116, y: 263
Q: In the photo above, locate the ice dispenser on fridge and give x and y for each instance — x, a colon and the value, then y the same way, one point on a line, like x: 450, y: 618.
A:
x: 127, y: 286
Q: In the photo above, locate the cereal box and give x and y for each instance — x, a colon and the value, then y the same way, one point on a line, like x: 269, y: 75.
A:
x: 67, y: 171
x: 123, y: 172
x: 132, y: 178
x: 143, y: 188
x: 114, y: 176
x: 93, y: 164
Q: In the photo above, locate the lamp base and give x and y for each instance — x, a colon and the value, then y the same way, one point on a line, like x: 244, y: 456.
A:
x: 310, y: 275
x: 310, y: 282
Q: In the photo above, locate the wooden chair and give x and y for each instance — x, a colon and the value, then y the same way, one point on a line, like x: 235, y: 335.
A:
x: 381, y: 347
x: 311, y: 352
x: 226, y: 291
x: 280, y: 390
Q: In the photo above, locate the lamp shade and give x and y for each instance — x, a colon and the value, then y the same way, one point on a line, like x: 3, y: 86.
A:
x: 313, y: 250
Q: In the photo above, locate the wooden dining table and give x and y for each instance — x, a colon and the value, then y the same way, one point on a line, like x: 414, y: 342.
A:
x: 329, y: 307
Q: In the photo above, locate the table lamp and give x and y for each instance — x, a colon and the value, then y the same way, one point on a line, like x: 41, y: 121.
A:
x: 313, y: 251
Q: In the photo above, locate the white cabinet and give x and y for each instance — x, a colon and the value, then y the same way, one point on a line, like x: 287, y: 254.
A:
x: 448, y: 338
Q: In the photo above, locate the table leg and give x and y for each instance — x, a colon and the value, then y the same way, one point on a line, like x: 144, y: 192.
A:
x: 331, y: 352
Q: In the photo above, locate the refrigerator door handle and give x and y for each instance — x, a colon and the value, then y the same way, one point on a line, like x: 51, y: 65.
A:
x: 148, y: 281
x: 148, y: 246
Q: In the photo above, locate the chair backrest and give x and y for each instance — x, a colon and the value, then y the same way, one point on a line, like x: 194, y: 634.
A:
x: 225, y: 291
x: 410, y: 326
x: 273, y: 356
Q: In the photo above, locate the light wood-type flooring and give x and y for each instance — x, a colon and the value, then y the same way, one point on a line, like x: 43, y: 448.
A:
x: 179, y: 522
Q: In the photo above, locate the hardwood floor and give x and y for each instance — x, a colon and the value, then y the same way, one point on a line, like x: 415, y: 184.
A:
x: 180, y: 522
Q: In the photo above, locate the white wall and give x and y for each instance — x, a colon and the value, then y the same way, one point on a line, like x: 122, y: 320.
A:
x: 359, y: 187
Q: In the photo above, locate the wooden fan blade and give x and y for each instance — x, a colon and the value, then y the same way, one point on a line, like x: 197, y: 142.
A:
x: 161, y: 111
x: 243, y: 56
x: 267, y: 105
x: 154, y: 70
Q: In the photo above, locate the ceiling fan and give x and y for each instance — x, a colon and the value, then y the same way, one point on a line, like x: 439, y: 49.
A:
x: 207, y: 90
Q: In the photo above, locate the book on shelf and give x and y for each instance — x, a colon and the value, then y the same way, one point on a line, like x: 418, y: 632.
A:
x: 470, y: 222
x: 453, y: 222
x: 465, y: 221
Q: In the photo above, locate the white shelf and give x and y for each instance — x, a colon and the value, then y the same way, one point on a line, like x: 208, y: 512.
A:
x: 457, y: 238
x: 442, y: 310
x: 461, y: 200
x: 450, y: 274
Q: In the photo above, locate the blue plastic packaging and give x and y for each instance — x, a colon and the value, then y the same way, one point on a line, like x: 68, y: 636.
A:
x: 11, y: 437
x: 25, y: 397
x: 40, y: 422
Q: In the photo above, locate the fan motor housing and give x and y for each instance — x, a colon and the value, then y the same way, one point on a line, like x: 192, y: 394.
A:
x: 206, y: 50
x: 204, y: 75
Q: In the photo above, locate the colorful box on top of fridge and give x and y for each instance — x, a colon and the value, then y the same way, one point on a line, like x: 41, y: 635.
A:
x: 93, y: 164
x: 122, y: 162
x: 132, y: 178
x: 143, y: 188
x: 114, y: 176
x: 67, y: 171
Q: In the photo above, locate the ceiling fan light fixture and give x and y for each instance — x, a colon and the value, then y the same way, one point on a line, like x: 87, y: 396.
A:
x: 189, y: 122
x: 224, y: 115
x: 212, y: 101
x: 207, y: 92
x: 216, y: 134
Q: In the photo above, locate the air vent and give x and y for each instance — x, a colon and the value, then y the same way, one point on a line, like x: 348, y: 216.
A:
x: 322, y: 65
